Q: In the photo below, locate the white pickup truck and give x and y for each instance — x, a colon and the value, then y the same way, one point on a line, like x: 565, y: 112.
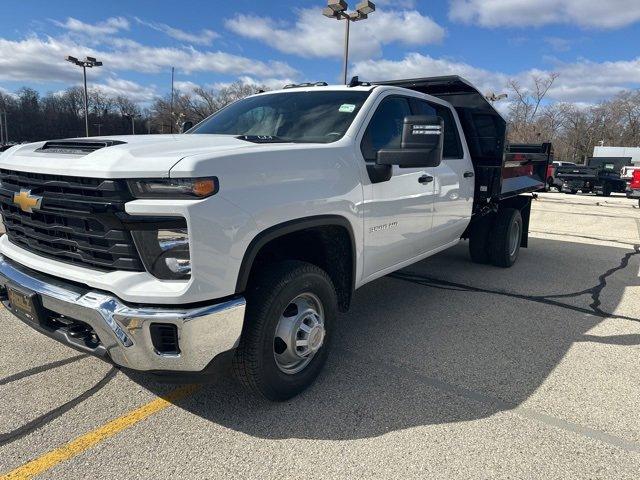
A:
x: 243, y: 238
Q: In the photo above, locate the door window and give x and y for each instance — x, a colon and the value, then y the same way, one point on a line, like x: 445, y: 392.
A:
x: 452, y: 148
x: 385, y: 127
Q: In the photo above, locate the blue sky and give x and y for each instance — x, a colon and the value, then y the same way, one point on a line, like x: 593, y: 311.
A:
x: 593, y: 45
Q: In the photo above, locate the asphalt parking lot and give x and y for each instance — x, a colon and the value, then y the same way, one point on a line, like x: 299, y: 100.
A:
x: 445, y: 370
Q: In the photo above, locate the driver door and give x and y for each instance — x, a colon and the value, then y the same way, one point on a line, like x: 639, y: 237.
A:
x: 398, y: 212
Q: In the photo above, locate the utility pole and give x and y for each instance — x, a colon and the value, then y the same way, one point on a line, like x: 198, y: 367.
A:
x: 98, y: 125
x: 90, y: 62
x: 132, y: 116
x: 337, y: 9
x: 5, y: 123
x: 172, y: 90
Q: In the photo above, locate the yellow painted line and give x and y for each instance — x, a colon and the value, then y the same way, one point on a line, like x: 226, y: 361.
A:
x: 88, y: 440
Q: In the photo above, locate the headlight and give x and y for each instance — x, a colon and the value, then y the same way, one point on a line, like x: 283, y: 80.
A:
x: 187, y: 188
x: 165, y: 253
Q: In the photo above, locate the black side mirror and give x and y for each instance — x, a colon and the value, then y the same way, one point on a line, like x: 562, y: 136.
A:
x: 422, y: 139
x: 188, y: 125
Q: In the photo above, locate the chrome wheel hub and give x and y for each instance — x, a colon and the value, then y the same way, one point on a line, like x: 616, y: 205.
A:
x: 514, y: 239
x: 299, y: 334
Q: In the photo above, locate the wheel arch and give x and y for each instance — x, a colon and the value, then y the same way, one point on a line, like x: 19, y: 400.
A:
x: 321, y: 227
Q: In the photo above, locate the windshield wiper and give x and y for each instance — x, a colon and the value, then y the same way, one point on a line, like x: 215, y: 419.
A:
x: 263, y: 139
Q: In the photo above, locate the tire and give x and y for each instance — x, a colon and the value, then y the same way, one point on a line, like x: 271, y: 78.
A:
x: 606, y: 190
x: 572, y: 192
x: 256, y: 363
x: 479, y: 241
x: 506, y: 237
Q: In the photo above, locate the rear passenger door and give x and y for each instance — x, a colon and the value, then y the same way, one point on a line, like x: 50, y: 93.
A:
x: 454, y: 182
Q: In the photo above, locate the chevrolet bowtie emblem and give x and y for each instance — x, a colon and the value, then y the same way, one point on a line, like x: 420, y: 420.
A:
x: 27, y: 202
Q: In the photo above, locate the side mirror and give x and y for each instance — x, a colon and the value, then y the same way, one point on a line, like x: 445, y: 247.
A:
x: 422, y: 139
x: 188, y: 125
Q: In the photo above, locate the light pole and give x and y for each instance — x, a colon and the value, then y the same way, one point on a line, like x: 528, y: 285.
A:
x: 337, y: 9
x: 4, y: 137
x: 132, y: 116
x: 89, y: 62
x: 172, y: 93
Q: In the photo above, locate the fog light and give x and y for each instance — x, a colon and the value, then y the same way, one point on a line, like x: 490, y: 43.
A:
x: 176, y: 265
x: 165, y: 253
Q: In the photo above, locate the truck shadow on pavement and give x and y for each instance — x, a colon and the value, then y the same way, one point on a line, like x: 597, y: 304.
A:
x: 442, y: 341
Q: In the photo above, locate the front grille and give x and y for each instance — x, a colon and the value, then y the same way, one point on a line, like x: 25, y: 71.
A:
x: 79, y: 220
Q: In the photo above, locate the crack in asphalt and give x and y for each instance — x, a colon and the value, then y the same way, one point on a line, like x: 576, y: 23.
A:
x: 595, y: 292
x: 42, y: 420
x: 602, y: 279
x: 40, y: 369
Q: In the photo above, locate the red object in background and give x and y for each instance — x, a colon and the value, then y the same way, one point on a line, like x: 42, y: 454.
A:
x: 551, y: 170
x: 520, y: 171
x: 635, y: 180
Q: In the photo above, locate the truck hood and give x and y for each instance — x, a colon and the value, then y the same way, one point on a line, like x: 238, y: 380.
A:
x: 150, y: 156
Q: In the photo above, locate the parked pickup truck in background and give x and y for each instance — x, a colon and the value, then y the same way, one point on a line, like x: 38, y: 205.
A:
x: 633, y: 185
x: 600, y: 175
x: 552, y: 179
x: 243, y: 238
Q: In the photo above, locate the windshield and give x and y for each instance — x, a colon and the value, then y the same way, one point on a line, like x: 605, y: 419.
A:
x: 300, y: 117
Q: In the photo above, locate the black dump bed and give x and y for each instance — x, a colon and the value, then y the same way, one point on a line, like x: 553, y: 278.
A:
x: 501, y: 171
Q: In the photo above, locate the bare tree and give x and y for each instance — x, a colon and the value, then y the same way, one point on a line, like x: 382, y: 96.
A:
x: 525, y: 108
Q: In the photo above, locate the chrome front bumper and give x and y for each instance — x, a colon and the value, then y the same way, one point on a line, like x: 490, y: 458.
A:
x: 124, y: 335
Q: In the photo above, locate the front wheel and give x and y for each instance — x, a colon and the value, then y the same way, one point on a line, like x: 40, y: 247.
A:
x: 291, y: 311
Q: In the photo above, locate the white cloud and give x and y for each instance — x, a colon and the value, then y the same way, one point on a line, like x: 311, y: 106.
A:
x: 108, y: 27
x: 7, y: 92
x: 185, y: 86
x: 203, y: 37
x: 118, y: 87
x: 269, y: 83
x: 143, y: 58
x: 36, y: 59
x: 396, y: 3
x: 415, y: 65
x: 581, y: 81
x: 520, y: 13
x: 315, y: 36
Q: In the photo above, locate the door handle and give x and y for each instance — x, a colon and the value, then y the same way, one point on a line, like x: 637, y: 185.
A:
x: 424, y: 179
x: 467, y: 174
